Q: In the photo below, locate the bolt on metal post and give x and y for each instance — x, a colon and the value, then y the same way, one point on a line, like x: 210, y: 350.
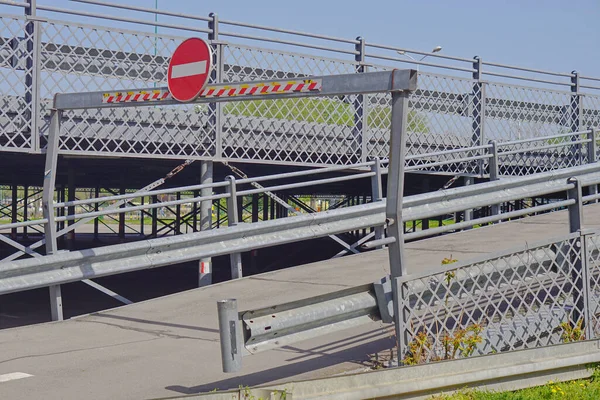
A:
x: 230, y: 335
x: 232, y: 220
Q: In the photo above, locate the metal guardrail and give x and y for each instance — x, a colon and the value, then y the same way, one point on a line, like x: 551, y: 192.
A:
x: 495, y: 372
x: 486, y: 297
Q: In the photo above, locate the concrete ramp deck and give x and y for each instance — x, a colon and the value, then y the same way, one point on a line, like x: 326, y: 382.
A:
x: 170, y: 346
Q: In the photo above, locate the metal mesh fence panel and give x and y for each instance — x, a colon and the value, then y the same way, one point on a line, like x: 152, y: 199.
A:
x: 306, y: 131
x: 520, y: 300
x: 439, y: 119
x: 16, y: 64
x: 81, y: 58
x: 593, y: 259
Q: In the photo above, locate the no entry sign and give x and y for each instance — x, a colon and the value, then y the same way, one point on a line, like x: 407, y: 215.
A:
x: 189, y: 69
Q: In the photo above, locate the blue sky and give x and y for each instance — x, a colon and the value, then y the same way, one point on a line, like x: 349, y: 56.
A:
x: 553, y: 34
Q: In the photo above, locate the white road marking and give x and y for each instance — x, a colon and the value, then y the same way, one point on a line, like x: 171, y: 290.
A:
x: 189, y: 69
x: 13, y: 376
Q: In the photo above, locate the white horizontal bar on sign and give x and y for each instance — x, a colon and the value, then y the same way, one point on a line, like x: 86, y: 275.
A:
x: 188, y: 69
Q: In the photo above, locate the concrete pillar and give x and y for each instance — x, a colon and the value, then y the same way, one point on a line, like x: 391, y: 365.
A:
x: 206, y: 178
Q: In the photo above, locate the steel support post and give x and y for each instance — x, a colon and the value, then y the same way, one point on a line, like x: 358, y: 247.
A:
x: 122, y: 214
x: 154, y: 217
x: 216, y: 76
x: 14, y: 207
x: 425, y: 188
x: 230, y: 335
x: 32, y: 72
x: 96, y: 208
x: 206, y: 178
x: 71, y: 209
x: 592, y: 155
x: 478, y: 111
x: 494, y: 171
x: 265, y: 207
x: 393, y: 212
x: 578, y: 257
x: 576, y: 118
x: 360, y: 104
x: 232, y: 220
x: 255, y: 208
x: 48, y: 206
x: 468, y: 181
x: 25, y: 210
x: 141, y: 217
x: 177, y: 222
x: 377, y: 195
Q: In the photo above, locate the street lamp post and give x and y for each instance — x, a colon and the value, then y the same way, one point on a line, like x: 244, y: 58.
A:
x: 435, y: 50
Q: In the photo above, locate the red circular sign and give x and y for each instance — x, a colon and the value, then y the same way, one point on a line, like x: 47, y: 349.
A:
x: 189, y: 69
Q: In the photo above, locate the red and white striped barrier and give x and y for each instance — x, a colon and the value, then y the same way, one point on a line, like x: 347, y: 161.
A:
x: 213, y: 91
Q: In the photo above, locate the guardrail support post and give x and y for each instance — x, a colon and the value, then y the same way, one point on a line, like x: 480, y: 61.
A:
x: 469, y: 180
x: 377, y: 194
x: 592, y: 155
x: 206, y: 178
x: 393, y: 212
x: 232, y: 220
x: 494, y: 171
x: 579, y: 271
x: 230, y: 335
x: 48, y: 206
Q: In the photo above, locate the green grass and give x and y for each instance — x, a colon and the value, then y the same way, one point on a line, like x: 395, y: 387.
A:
x: 585, y: 389
x: 327, y: 111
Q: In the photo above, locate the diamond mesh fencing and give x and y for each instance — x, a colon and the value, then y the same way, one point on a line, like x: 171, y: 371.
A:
x: 81, y: 58
x: 593, y: 257
x: 16, y: 72
x: 310, y: 130
x: 440, y: 118
x: 447, y: 113
x: 524, y: 299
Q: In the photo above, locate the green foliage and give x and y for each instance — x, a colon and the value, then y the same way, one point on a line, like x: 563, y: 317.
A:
x: 324, y: 111
x: 572, y: 333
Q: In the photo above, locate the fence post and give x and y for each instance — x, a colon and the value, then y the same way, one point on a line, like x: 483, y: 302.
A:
x: 216, y: 76
x: 592, y: 151
x: 230, y: 335
x: 232, y: 220
x: 32, y: 73
x: 494, y: 171
x: 206, y: 178
x: 360, y: 103
x: 377, y: 194
x: 478, y: 111
x: 576, y: 120
x: 579, y: 272
x: 48, y: 205
x: 393, y: 209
